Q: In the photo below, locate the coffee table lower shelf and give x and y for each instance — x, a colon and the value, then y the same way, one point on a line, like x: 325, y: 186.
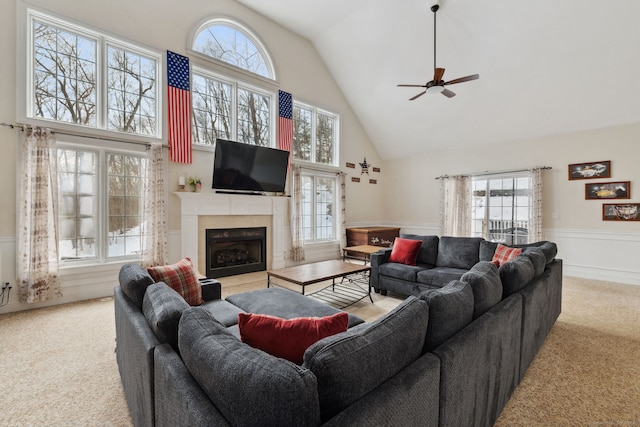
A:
x: 341, y: 295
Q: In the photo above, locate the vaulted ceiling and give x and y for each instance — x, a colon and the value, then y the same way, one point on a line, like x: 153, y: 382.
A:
x: 546, y: 66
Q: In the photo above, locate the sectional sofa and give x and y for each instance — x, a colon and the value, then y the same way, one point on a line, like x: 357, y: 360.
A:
x: 443, y: 357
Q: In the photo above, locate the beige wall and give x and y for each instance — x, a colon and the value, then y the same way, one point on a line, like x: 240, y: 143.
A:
x: 589, y: 246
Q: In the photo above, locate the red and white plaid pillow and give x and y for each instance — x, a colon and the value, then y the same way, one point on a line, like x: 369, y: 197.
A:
x: 182, y: 278
x: 504, y: 254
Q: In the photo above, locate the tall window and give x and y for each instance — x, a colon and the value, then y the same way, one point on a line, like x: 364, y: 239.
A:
x: 70, y: 81
x: 228, y: 42
x: 502, y: 208
x: 100, y: 201
x: 229, y: 110
x: 315, y: 135
x: 318, y: 207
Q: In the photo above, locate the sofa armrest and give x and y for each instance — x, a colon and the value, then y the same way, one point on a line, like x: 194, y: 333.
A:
x: 211, y: 289
x: 376, y: 260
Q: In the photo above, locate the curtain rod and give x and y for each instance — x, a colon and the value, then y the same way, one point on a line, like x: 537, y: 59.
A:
x: 498, y: 172
x: 21, y: 127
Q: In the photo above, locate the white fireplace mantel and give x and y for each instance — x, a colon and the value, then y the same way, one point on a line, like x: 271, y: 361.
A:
x: 195, y: 205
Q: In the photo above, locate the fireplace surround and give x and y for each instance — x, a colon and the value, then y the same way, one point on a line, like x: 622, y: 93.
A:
x: 200, y: 211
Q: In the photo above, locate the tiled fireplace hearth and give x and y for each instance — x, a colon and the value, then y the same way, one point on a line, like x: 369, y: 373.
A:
x: 202, y: 211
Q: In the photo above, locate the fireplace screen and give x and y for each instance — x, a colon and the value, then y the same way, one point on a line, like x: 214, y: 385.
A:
x: 232, y: 251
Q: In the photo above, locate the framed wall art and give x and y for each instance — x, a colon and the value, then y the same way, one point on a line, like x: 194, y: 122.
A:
x: 608, y: 190
x: 620, y: 211
x: 591, y: 170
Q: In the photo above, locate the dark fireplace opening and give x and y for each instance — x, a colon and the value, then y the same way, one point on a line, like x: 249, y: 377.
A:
x: 232, y: 251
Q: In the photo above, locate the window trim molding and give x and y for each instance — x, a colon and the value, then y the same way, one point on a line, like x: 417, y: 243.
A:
x: 24, y: 90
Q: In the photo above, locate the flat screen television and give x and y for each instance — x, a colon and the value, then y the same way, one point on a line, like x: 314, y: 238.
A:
x: 247, y: 168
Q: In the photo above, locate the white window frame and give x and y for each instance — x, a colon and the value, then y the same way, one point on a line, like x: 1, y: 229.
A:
x: 235, y: 85
x: 25, y: 85
x: 315, y: 174
x: 102, y: 213
x: 314, y: 127
x: 515, y: 223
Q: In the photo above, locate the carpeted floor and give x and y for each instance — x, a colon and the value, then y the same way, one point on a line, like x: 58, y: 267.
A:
x: 58, y: 363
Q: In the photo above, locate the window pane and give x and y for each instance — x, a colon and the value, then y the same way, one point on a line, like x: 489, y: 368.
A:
x: 131, y: 92
x: 232, y: 46
x: 301, y: 133
x: 508, y: 209
x: 324, y: 208
x: 77, y: 204
x: 211, y: 101
x: 325, y: 139
x: 125, y: 204
x: 64, y: 65
x: 254, y: 116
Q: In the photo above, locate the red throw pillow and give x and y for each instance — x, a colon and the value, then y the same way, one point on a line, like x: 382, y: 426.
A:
x: 405, y: 251
x: 182, y: 278
x: 504, y: 254
x: 288, y: 338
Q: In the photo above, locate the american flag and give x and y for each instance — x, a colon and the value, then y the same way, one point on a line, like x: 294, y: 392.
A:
x: 179, y: 100
x: 285, y: 121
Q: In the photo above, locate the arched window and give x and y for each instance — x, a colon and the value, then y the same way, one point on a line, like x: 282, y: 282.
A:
x: 228, y: 42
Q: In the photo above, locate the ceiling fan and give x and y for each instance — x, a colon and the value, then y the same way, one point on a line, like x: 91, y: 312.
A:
x: 437, y: 84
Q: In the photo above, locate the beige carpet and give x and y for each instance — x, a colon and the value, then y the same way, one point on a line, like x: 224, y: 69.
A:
x: 58, y: 363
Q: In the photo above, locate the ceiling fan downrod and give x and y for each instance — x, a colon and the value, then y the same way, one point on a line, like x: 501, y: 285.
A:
x: 434, y: 9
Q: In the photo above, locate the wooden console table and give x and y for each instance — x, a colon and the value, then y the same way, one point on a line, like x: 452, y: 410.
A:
x: 375, y: 236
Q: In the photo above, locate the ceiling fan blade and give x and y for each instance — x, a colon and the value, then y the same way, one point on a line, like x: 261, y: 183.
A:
x: 448, y: 93
x: 437, y: 74
x: 463, y: 79
x: 417, y: 96
x: 412, y: 85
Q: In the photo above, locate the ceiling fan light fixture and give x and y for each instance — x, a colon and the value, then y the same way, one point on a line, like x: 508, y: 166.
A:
x: 434, y: 90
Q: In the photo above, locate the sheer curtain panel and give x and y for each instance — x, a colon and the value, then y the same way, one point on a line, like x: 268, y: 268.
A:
x: 455, y: 206
x: 297, y: 243
x: 37, y: 235
x: 155, y: 209
x: 535, y: 221
x: 342, y: 203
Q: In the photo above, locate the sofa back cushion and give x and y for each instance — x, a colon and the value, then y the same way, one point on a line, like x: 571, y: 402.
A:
x: 450, y: 310
x: 549, y: 249
x: 247, y: 385
x: 486, y: 286
x: 515, y: 275
x: 353, y: 363
x: 134, y: 280
x: 537, y: 258
x: 163, y: 307
x: 458, y: 252
x: 428, y: 253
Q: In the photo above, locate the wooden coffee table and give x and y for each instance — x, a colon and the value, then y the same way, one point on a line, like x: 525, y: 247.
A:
x: 338, y: 294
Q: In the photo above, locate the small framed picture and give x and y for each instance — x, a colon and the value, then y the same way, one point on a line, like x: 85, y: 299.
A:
x: 608, y: 190
x: 590, y: 170
x: 620, y: 212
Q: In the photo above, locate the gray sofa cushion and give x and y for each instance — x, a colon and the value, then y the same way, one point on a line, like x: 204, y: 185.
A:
x: 285, y: 304
x: 223, y: 311
x: 248, y: 386
x: 487, y: 249
x: 134, y: 281
x: 550, y: 249
x: 486, y: 286
x: 353, y: 363
x: 428, y: 253
x: 401, y: 271
x: 515, y: 274
x: 537, y: 258
x: 450, y: 310
x: 439, y: 276
x: 163, y: 307
x: 458, y: 252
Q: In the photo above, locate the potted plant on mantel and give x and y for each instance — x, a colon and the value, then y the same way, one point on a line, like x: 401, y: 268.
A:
x: 195, y: 183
